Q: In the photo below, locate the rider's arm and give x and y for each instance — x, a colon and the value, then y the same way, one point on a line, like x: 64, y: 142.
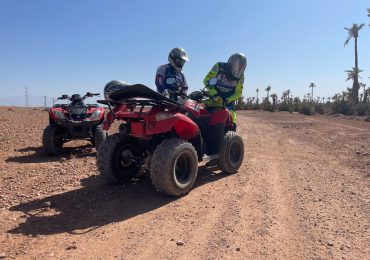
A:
x: 159, y: 79
x: 184, y: 88
x: 212, y: 74
x: 238, y: 91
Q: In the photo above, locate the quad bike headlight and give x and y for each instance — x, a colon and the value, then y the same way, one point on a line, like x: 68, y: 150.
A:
x: 95, y: 115
x: 163, y: 116
x: 59, y: 114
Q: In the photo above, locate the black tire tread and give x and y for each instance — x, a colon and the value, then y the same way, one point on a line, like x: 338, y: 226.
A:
x: 99, y: 136
x: 104, y: 157
x: 48, y: 142
x: 161, y: 166
x: 224, y: 161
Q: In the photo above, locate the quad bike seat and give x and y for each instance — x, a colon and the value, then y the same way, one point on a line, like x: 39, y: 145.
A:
x: 139, y: 91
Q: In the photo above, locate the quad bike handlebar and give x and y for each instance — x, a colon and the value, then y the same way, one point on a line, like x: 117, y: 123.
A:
x: 63, y: 97
x: 196, y: 95
x: 200, y: 95
x: 88, y: 94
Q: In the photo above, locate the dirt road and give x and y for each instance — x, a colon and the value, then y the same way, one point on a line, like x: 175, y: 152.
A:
x: 303, y: 192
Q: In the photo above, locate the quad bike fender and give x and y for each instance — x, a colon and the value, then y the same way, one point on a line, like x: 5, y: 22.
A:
x: 183, y: 126
x: 93, y: 109
x: 109, y: 119
x: 111, y: 116
x: 221, y: 116
x: 52, y: 116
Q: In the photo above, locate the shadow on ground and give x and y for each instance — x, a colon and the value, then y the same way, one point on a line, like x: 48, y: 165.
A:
x: 39, y: 155
x: 96, y: 205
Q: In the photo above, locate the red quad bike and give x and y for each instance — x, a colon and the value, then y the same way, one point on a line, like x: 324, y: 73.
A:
x: 75, y: 120
x: 168, y: 138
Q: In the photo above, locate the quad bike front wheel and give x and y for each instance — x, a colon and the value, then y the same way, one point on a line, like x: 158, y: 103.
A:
x: 174, y: 167
x: 231, y: 152
x: 52, y: 139
x: 115, y: 158
x: 99, y: 136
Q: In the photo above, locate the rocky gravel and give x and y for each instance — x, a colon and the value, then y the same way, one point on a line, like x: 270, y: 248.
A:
x: 303, y: 192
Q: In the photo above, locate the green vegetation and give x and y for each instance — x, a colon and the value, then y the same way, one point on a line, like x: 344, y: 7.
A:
x: 353, y: 101
x: 341, y: 103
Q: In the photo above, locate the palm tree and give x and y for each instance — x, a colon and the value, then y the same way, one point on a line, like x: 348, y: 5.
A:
x: 240, y: 103
x: 336, y: 97
x: 274, y: 98
x: 283, y: 97
x: 296, y: 100
x: 364, y: 86
x: 257, y: 90
x: 353, y: 33
x: 366, y: 95
x: 353, y: 74
x: 312, y: 85
x: 268, y: 91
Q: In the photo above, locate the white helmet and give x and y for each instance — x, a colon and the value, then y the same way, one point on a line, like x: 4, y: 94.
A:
x: 237, y: 64
x: 177, y: 58
x: 113, y: 86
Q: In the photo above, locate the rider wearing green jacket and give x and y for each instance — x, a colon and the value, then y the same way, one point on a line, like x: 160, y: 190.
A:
x: 225, y: 82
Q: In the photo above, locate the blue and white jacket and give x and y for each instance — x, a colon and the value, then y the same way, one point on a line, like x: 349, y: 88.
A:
x: 176, y: 84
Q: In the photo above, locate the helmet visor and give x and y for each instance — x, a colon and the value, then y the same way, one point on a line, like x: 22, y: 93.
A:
x: 180, y: 62
x: 237, y: 69
x: 237, y: 64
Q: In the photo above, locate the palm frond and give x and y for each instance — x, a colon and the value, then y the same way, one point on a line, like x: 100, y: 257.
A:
x: 347, y: 40
x: 353, y: 73
x: 353, y: 32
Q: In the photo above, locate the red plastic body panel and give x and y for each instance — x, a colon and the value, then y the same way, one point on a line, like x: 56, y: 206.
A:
x: 108, y: 121
x: 64, y: 110
x: 51, y: 114
x: 219, y: 117
x: 144, y: 123
x: 137, y: 129
x: 183, y: 126
x: 195, y: 108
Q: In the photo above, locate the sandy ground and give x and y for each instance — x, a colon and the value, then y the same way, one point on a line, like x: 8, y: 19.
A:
x: 303, y: 192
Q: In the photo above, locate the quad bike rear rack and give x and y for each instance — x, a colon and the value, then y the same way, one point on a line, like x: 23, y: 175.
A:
x: 142, y: 103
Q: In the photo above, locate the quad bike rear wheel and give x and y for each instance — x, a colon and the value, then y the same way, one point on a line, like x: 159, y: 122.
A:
x: 174, y: 167
x: 99, y: 136
x: 231, y: 153
x: 115, y: 158
x: 52, y: 139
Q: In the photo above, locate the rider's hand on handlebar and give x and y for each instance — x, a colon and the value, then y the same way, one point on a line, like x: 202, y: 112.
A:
x: 220, y: 101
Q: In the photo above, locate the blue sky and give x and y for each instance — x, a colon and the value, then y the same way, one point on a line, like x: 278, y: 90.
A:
x: 57, y: 47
